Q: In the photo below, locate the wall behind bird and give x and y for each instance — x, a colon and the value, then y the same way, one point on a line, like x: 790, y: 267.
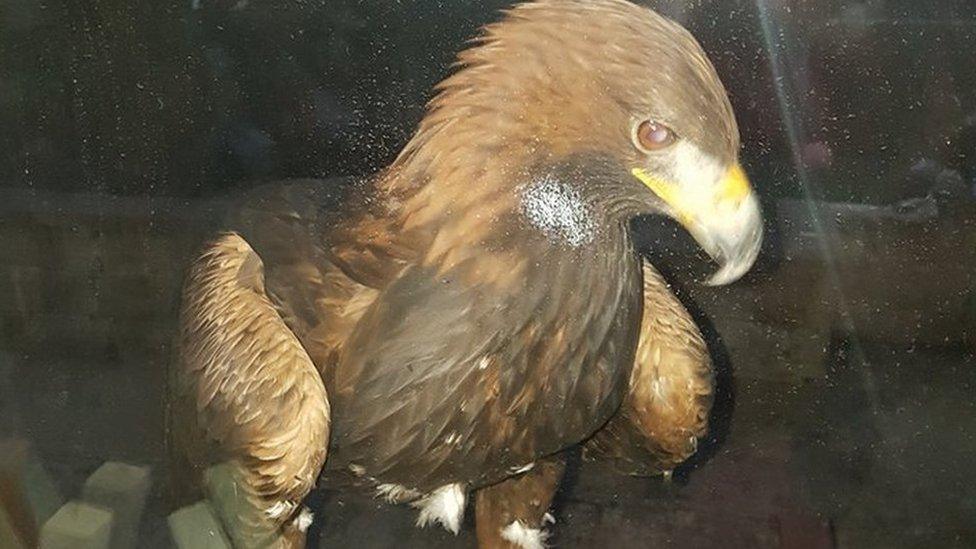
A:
x: 191, y: 97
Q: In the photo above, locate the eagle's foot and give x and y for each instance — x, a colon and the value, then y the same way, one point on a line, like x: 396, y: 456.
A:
x: 515, y: 512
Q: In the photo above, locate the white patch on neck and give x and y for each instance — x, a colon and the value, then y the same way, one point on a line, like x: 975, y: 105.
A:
x: 520, y: 535
x: 558, y: 210
x: 444, y: 506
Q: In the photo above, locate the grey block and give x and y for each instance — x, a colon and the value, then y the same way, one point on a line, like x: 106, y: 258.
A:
x: 228, y: 499
x: 122, y: 488
x: 197, y: 527
x: 78, y: 525
x: 245, y: 524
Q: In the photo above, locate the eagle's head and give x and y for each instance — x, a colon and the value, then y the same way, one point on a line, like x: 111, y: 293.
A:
x: 619, y: 102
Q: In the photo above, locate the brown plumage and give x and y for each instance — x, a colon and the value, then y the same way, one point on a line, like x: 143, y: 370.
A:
x: 247, y: 393
x: 670, y: 394
x: 476, y: 308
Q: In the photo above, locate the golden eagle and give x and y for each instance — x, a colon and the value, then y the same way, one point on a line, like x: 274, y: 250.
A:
x: 451, y: 325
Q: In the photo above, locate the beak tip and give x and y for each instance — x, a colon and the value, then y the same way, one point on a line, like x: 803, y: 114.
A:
x: 738, y: 258
x: 725, y: 275
x: 717, y: 279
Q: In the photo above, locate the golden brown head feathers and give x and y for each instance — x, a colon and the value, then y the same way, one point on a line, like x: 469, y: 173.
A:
x: 561, y: 77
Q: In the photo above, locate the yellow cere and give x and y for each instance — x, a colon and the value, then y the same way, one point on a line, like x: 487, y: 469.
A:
x: 733, y: 188
x: 668, y: 192
x: 735, y: 185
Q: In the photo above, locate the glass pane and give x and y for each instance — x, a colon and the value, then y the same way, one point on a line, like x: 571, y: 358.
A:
x: 266, y: 267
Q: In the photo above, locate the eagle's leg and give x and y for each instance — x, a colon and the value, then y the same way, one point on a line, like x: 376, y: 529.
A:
x: 514, y: 512
x: 670, y: 395
x: 249, y: 414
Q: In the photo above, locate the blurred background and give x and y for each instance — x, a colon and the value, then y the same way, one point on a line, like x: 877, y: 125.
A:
x: 846, y: 414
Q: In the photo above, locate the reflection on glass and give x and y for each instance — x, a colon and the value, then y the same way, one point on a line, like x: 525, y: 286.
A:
x: 431, y: 300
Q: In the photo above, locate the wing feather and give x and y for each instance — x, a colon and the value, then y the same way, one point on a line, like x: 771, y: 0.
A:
x: 670, y: 392
x: 245, y: 392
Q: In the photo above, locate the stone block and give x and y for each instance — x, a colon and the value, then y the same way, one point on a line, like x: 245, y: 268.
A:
x: 197, y: 527
x: 122, y: 488
x: 77, y: 525
x: 246, y: 525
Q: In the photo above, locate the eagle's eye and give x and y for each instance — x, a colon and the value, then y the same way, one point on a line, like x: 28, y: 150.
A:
x: 653, y: 136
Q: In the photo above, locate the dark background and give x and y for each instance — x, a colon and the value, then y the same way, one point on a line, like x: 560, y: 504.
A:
x: 846, y: 358
x: 190, y: 98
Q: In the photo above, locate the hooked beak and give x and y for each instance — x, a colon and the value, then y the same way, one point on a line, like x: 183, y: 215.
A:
x: 724, y: 218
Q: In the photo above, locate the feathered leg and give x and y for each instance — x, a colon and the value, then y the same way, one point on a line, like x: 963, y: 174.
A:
x: 514, y: 512
x: 249, y: 411
x: 671, y: 390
